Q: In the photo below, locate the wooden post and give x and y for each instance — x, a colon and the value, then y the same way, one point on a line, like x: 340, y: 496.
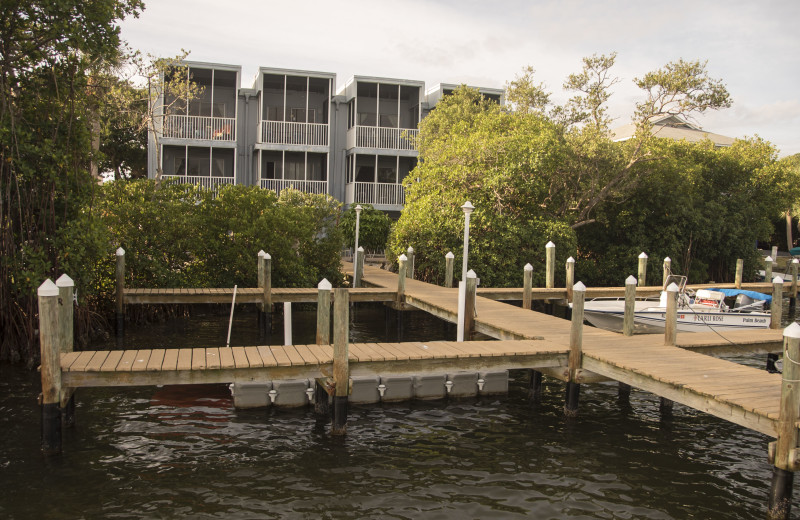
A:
x: 667, y: 271
x: 50, y: 345
x: 642, y: 273
x: 401, y: 278
x: 267, y: 303
x: 120, y: 293
x: 575, y: 348
x: 260, y: 305
x: 671, y: 319
x: 795, y: 264
x: 469, y: 305
x: 358, y: 268
x: 66, y: 337
x: 783, y: 453
x: 341, y: 367
x: 448, y: 269
x: 410, y: 267
x: 570, y: 277
x: 287, y: 323
x: 527, y: 286
x: 739, y: 273
x: 324, y: 312
x: 776, y: 309
x: 550, y: 265
x: 768, y: 268
x: 630, y: 306
x: 774, y: 254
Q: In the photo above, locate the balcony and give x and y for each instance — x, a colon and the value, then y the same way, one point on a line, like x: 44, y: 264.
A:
x: 210, y: 183
x: 375, y: 193
x: 286, y: 132
x: 382, y: 138
x: 200, y: 127
x: 276, y: 185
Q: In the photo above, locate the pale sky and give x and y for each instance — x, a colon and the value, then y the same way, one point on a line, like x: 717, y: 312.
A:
x: 753, y: 46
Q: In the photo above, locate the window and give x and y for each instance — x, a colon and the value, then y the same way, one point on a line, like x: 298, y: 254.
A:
x: 198, y: 162
x: 222, y: 162
x: 298, y: 115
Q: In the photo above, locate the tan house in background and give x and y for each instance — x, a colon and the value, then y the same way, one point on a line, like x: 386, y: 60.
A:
x: 673, y: 127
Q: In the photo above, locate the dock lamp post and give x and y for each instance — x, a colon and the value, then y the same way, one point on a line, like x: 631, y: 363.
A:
x: 358, y: 209
x: 468, y: 208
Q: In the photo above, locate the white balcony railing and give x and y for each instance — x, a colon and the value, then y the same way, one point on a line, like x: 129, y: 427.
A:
x: 200, y: 127
x: 284, y: 132
x: 375, y: 193
x: 210, y: 183
x: 276, y: 185
x: 382, y: 138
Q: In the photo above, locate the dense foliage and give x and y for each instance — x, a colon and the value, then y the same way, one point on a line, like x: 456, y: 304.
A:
x: 542, y: 173
x: 373, y: 228
x: 184, y: 236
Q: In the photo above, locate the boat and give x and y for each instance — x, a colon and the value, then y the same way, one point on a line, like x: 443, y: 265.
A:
x: 704, y: 310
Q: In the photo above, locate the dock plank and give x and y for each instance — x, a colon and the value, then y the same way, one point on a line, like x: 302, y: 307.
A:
x: 112, y: 360
x: 212, y: 358
x: 240, y: 357
x: 140, y: 362
x: 97, y: 361
x: 156, y: 359
x: 253, y: 357
x: 170, y: 362
x: 198, y: 359
x: 226, y: 358
x: 184, y: 359
x: 267, y: 359
x: 68, y: 359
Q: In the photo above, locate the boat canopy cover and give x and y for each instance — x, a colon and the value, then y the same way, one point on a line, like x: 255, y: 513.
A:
x: 794, y: 251
x: 750, y: 294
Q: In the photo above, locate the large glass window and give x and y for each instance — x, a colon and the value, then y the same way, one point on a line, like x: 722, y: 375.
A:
x: 387, y: 169
x: 222, y: 162
x: 174, y: 160
x: 294, y: 166
x: 271, y: 165
x: 198, y: 161
x: 365, y: 168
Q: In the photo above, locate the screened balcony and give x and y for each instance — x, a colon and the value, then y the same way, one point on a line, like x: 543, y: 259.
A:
x: 377, y: 180
x: 383, y: 116
x: 294, y: 110
x: 303, y: 171
x: 211, y: 115
x: 202, y: 166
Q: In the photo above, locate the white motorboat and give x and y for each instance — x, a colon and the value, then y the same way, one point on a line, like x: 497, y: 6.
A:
x: 703, y: 311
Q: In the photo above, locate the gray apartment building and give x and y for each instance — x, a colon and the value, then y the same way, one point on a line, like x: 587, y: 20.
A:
x: 292, y: 128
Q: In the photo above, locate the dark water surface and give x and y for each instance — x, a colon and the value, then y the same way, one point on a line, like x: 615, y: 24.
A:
x: 184, y: 452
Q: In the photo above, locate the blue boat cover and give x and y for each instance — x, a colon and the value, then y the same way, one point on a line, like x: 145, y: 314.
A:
x: 795, y: 251
x: 751, y: 294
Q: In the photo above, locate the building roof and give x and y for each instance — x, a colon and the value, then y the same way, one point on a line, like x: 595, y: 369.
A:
x: 673, y: 127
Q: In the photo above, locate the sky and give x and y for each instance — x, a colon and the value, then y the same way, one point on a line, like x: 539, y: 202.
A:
x: 752, y: 46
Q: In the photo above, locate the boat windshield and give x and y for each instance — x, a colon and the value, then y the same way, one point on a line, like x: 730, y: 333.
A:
x: 678, y: 280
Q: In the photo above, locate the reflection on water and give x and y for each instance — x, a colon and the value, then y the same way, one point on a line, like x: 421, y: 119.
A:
x: 177, y: 452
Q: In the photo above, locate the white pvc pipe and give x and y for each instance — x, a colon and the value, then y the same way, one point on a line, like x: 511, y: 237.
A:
x: 287, y: 323
x: 462, y: 304
x: 230, y: 322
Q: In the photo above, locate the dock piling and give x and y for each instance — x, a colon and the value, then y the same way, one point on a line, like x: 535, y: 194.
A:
x: 49, y: 342
x: 469, y: 304
x: 768, y: 265
x: 358, y: 268
x: 266, y: 260
x: 795, y: 264
x: 671, y: 319
x: 642, y: 271
x: 120, y: 303
x: 324, y: 312
x: 783, y: 452
x: 527, y: 286
x: 776, y: 308
x: 402, y: 267
x: 66, y: 339
x: 410, y: 264
x: 667, y: 270
x: 341, y: 367
x: 550, y: 265
x: 630, y: 306
x: 570, y: 277
x: 739, y: 273
x: 449, y: 260
x: 575, y: 350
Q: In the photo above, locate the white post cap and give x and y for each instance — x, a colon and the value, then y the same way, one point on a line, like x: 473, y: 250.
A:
x: 795, y: 261
x: 643, y: 255
x: 570, y: 260
x: 667, y: 259
x: 402, y: 258
x: 768, y: 259
x: 467, y: 207
x: 324, y: 285
x: 410, y: 250
x: 120, y: 251
x: 261, y: 253
x: 550, y: 244
x: 672, y: 287
x: 48, y: 288
x: 65, y: 281
x: 358, y: 208
x: 267, y: 257
x: 360, y: 249
x: 579, y: 287
x: 777, y: 279
x: 631, y: 280
x: 450, y: 255
x: 792, y: 331
x: 528, y: 267
x: 471, y: 274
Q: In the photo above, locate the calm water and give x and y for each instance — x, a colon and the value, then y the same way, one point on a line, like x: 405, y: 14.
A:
x: 186, y: 453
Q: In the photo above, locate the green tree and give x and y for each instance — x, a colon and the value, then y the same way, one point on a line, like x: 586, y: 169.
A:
x: 373, y: 230
x: 47, y: 53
